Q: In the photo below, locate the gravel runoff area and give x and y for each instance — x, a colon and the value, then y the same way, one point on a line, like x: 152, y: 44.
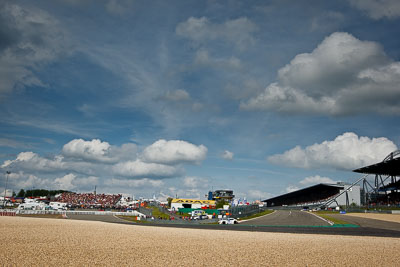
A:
x: 50, y: 242
x: 377, y: 216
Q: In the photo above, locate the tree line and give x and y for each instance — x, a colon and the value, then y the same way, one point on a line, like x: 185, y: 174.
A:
x: 38, y: 193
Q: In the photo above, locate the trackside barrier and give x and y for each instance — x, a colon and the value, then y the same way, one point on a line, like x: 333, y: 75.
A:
x: 7, y: 212
x: 75, y: 212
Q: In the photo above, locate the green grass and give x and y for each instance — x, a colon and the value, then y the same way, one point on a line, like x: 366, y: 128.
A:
x: 257, y: 215
x: 157, y: 213
x: 326, y: 216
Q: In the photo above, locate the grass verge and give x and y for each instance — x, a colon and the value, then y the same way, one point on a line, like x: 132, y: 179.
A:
x: 327, y: 216
x: 131, y: 219
x: 157, y: 213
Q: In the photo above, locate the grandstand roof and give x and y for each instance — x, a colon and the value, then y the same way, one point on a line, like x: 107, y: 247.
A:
x: 390, y: 167
x: 391, y: 186
x: 309, y: 194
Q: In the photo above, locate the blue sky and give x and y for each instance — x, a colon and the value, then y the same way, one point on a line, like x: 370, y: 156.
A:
x: 181, y: 97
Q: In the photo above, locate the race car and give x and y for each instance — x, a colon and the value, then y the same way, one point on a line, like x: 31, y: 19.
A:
x: 228, y: 221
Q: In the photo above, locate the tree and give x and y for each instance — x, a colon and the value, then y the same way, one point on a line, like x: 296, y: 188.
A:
x: 21, y: 193
x: 169, y: 201
x: 220, y: 204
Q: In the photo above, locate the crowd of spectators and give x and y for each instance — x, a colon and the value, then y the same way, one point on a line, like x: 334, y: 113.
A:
x: 390, y: 199
x: 89, y: 200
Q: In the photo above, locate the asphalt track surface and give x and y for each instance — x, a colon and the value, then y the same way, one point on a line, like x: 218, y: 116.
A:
x: 288, y: 218
x: 371, y: 223
x: 280, y: 222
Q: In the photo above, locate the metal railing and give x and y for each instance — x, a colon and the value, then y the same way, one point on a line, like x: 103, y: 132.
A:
x: 73, y: 212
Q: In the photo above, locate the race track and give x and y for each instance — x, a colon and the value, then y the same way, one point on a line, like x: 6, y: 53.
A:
x: 368, y: 223
x: 288, y: 218
x: 278, y: 222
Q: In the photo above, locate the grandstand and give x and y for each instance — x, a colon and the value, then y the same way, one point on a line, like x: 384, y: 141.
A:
x: 317, y: 195
x: 385, y: 190
x: 88, y: 200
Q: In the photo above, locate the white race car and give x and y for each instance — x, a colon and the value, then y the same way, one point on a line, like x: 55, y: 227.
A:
x: 228, y: 221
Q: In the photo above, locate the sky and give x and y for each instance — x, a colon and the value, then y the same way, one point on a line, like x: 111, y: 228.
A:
x: 176, y: 98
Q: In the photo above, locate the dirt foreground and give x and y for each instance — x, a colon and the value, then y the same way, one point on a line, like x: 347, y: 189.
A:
x: 50, y: 242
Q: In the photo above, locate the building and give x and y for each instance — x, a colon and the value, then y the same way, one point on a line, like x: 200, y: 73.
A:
x: 217, y: 195
x: 344, y: 194
x: 180, y: 203
x: 385, y: 190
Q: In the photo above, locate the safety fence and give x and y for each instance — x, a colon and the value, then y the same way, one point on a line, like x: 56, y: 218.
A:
x: 68, y: 212
x: 7, y: 212
x: 247, y: 210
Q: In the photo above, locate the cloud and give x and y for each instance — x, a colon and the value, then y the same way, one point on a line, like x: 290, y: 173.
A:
x: 31, y: 181
x: 202, y: 58
x: 238, y: 31
x: 327, y: 21
x: 145, y: 182
x: 228, y: 155
x: 308, y: 181
x: 32, y: 161
x: 257, y: 194
x: 291, y: 188
x: 119, y: 7
x: 31, y: 38
x: 316, y: 180
x: 69, y: 181
x: 89, y: 160
x: 177, y: 95
x: 378, y: 9
x: 174, y: 152
x: 342, y: 76
x: 87, y: 181
x: 193, y: 193
x: 346, y: 152
x: 89, y: 150
x: 195, y: 182
x: 137, y: 168
x: 6, y: 142
x: 98, y: 151
x: 65, y: 183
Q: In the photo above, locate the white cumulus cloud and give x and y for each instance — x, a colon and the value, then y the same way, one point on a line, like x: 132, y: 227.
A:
x: 228, y: 155
x: 174, y: 152
x: 98, y: 151
x: 311, y: 180
x: 346, y: 152
x: 342, y: 76
x: 291, y: 188
x: 90, y: 150
x: 195, y: 182
x: 65, y: 182
x: 32, y: 161
x: 138, y: 168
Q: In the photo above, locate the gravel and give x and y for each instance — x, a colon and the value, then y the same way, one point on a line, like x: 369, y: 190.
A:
x: 377, y: 216
x: 50, y: 242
